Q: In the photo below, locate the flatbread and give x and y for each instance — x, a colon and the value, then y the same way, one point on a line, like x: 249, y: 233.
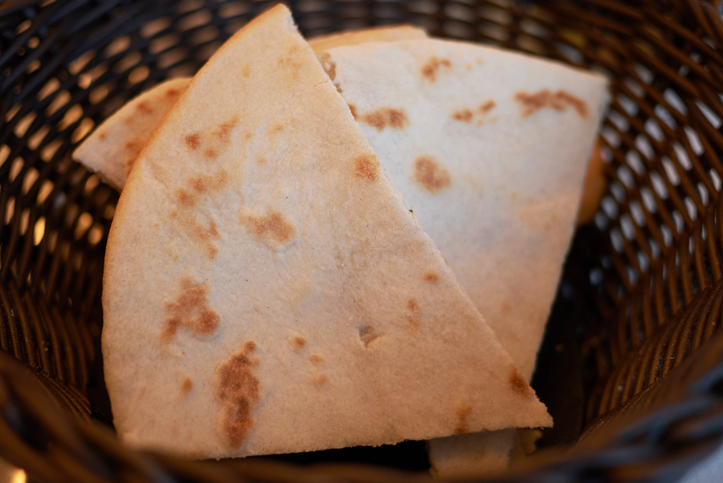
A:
x: 488, y: 148
x: 112, y: 149
x: 266, y: 289
x: 391, y: 33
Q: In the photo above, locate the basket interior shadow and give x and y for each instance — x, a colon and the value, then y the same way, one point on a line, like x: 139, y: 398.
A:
x: 641, y: 291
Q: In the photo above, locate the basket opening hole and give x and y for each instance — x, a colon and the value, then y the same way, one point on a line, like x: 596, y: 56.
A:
x: 139, y: 74
x: 609, y: 207
x: 39, y: 231
x: 164, y: 43
x: 691, y: 208
x: 127, y: 62
x: 29, y: 181
x: 494, y: 32
x: 95, y: 235
x: 48, y: 153
x: 9, y: 210
x: 85, y: 220
x: 172, y: 57
x: 152, y: 28
x: 712, y: 118
x: 492, y: 12
x: 72, y: 116
x: 77, y: 66
x: 85, y: 126
x: 37, y: 139
x: 459, y: 12
x: 695, y: 143
x: 195, y: 20
x: 16, y: 168
x: 98, y: 94
x: 674, y: 100
x: 24, y: 25
x: 670, y: 172
x: 22, y: 126
x: 44, y: 191
x: 52, y: 85
x: 658, y: 184
x: 34, y: 65
x: 58, y: 102
x: 189, y: 6
x: 457, y: 29
x: 24, y: 219
x: 118, y: 45
x: 207, y: 34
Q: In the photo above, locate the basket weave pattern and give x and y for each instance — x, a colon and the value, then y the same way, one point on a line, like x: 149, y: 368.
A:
x: 651, y: 262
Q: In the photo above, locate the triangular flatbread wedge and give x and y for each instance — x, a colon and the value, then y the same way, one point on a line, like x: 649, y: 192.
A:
x: 266, y: 289
x: 489, y: 150
x: 112, y: 149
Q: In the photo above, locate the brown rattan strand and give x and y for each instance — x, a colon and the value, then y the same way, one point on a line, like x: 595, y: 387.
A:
x: 651, y: 260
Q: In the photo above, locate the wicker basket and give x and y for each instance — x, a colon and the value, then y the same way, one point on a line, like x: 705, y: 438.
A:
x: 632, y: 365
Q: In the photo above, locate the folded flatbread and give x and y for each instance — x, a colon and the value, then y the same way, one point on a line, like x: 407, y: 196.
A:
x: 489, y: 150
x: 267, y: 290
x: 112, y: 149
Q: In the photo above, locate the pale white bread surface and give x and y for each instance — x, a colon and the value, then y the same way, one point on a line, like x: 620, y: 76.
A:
x: 112, y: 149
x: 266, y: 289
x: 379, y: 34
x: 494, y: 182
x: 498, y: 186
x: 471, y: 455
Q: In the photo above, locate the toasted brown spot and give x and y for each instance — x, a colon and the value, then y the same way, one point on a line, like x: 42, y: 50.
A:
x: 172, y: 92
x: 431, y: 68
x: 298, y: 343
x: 319, y: 380
x: 316, y: 358
x: 519, y: 384
x: 204, y: 233
x: 102, y: 135
x: 246, y: 71
x: 352, y: 108
x: 273, y: 226
x: 559, y: 101
x: 462, y: 414
x: 185, y: 198
x: 209, y: 183
x: 174, y: 214
x: 210, y: 153
x: 193, y: 141
x: 186, y: 386
x: 223, y: 130
x: 487, y: 106
x: 190, y: 311
x: 291, y: 62
x: 430, y: 175
x: 385, y: 116
x: 144, y: 107
x: 212, y: 250
x: 366, y: 167
x: 367, y: 335
x: 412, y: 305
x: 431, y: 277
x: 464, y: 115
x: 237, y: 388
x: 413, y: 322
x: 247, y: 136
